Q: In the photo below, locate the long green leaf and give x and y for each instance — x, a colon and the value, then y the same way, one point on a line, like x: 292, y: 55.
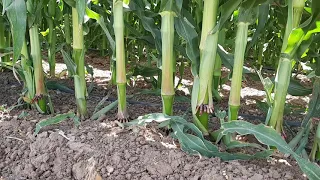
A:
x: 81, y: 9
x: 270, y: 137
x: 71, y: 66
x: 100, y: 20
x: 264, y: 134
x: 53, y: 120
x: 17, y: 15
x: 188, y: 32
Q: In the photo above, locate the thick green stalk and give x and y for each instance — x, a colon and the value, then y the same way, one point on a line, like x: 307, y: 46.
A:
x: 208, y: 48
x: 208, y: 21
x: 240, y: 48
x: 52, y: 37
x: 2, y: 33
x: 284, y: 69
x: 103, y: 46
x: 120, y: 59
x: 260, y: 54
x: 78, y: 56
x: 37, y: 66
x: 167, y: 84
x: 281, y: 83
x: 67, y: 31
x: 295, y: 10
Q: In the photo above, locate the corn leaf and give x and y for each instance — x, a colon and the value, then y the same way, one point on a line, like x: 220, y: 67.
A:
x: 296, y: 89
x: 314, y: 104
x: 147, y: 21
x: 305, y: 31
x: 193, y: 144
x: 226, y: 11
x: 81, y: 9
x: 228, y: 59
x: 53, y: 120
x: 71, y: 3
x: 197, y: 145
x: 71, y: 66
x: 262, y: 21
x: 264, y: 134
x: 100, y: 20
x: 104, y: 110
x: 17, y: 15
x: 54, y: 85
x: 270, y: 137
x: 238, y: 144
x: 312, y: 170
x: 188, y: 33
x: 171, y: 5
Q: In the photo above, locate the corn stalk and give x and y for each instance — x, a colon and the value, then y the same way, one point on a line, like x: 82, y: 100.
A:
x: 120, y: 59
x: 247, y: 15
x: 167, y: 84
x: 78, y: 56
x: 208, y: 49
x: 35, y: 54
x: 283, y: 75
x: 66, y: 18
x: 52, y: 36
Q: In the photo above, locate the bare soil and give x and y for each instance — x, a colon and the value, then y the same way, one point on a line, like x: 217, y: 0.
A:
x: 103, y: 150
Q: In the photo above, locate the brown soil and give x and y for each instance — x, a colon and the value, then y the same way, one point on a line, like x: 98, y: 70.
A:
x: 102, y: 150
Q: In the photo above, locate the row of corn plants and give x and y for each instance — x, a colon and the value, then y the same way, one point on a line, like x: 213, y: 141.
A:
x: 153, y: 37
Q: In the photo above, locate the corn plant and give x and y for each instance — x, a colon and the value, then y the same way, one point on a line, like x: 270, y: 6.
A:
x: 34, y: 17
x: 208, y: 49
x: 50, y: 12
x: 295, y: 9
x: 295, y: 38
x: 120, y: 59
x: 167, y: 35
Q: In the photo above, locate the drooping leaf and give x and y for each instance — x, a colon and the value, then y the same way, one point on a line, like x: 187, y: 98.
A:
x: 311, y: 169
x: 104, y: 110
x: 238, y: 144
x: 296, y: 89
x: 81, y: 9
x: 188, y: 33
x: 54, y: 85
x: 228, y: 59
x: 314, y: 104
x: 17, y: 15
x: 53, y: 120
x: 100, y: 20
x: 226, y: 11
x: 262, y: 21
x: 270, y: 137
x: 71, y: 66
x: 264, y: 134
